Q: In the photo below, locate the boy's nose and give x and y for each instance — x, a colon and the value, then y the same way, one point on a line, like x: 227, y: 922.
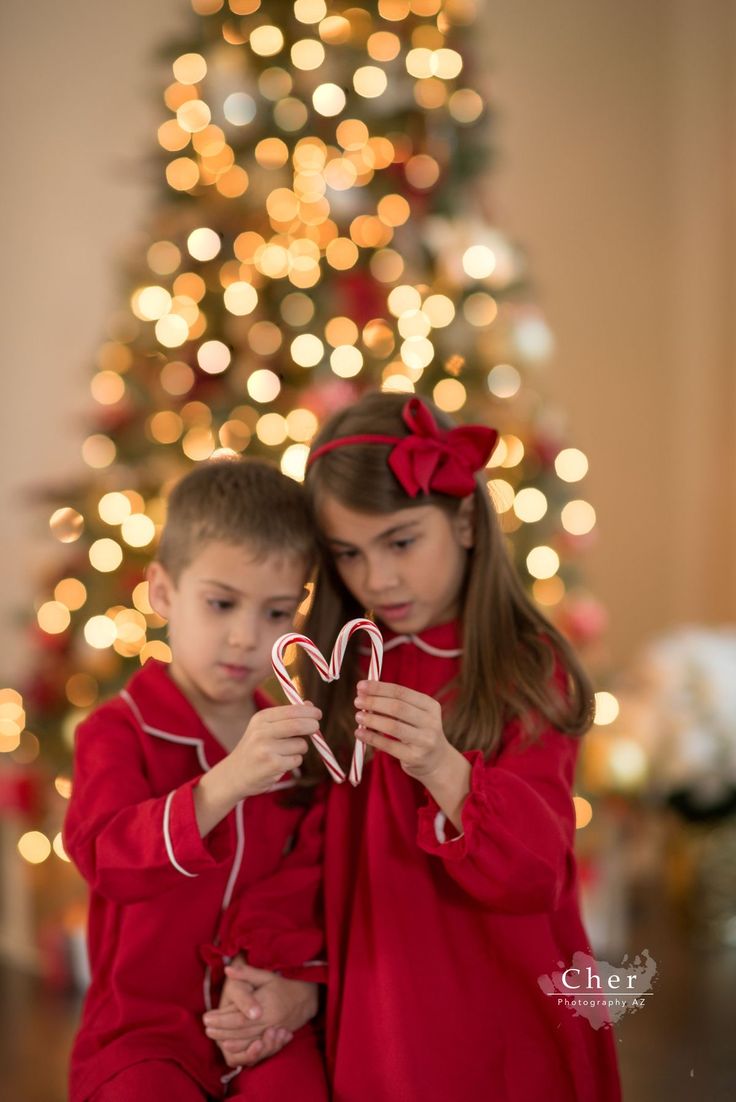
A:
x: 243, y: 634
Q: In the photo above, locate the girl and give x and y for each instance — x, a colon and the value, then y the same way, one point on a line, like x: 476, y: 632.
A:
x: 450, y: 880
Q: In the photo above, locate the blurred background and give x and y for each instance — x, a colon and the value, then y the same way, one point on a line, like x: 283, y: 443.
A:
x: 599, y: 337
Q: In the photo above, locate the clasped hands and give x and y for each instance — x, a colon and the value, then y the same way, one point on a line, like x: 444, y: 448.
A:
x: 259, y: 1013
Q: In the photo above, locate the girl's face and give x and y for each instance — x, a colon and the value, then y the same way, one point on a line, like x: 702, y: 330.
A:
x: 408, y: 567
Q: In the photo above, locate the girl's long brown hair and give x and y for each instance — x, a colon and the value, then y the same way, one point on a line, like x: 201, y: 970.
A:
x: 509, y: 647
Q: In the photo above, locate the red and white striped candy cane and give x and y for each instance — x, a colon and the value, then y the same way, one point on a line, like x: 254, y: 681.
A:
x: 330, y: 672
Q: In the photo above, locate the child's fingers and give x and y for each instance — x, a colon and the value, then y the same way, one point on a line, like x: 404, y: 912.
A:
x: 256, y: 976
x: 229, y: 1019
x: 396, y: 749
x: 388, y: 691
x: 382, y: 725
x: 241, y: 1035
x: 246, y: 1056
x: 291, y: 746
x: 291, y: 711
x: 394, y: 711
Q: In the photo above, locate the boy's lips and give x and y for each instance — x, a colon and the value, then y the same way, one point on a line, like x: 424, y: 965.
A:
x: 233, y: 670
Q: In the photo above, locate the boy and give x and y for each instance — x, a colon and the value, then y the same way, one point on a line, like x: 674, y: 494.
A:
x: 163, y: 825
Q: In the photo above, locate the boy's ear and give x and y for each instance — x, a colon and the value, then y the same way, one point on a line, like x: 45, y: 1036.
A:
x: 160, y: 587
x: 465, y: 522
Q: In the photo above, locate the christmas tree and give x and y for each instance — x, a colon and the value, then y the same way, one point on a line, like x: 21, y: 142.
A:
x: 323, y: 228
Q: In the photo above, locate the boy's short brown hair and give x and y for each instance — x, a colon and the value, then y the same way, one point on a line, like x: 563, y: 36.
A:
x: 235, y: 501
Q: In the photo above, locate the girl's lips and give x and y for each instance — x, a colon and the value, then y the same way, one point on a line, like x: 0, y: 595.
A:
x: 394, y: 612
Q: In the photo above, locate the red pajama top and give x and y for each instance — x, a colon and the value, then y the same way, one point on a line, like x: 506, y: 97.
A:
x: 158, y: 891
x: 437, y: 940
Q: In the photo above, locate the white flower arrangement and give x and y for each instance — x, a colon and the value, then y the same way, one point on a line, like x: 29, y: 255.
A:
x: 686, y: 719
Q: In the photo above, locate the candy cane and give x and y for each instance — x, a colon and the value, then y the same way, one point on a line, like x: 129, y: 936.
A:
x: 330, y: 672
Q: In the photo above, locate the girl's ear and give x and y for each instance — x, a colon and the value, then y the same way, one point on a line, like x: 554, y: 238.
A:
x: 160, y: 587
x: 464, y: 522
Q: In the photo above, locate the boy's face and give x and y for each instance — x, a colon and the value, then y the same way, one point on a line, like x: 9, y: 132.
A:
x: 225, y: 612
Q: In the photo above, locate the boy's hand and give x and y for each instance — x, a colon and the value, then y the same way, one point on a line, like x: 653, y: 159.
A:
x: 274, y: 743
x: 259, y: 1013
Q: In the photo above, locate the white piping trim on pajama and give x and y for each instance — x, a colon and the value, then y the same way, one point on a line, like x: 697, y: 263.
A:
x: 167, y: 837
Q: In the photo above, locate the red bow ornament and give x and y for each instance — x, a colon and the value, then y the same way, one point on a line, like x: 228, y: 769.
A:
x: 436, y: 460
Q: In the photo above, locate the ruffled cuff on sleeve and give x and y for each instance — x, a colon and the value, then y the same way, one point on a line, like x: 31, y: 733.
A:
x: 188, y: 852
x: 437, y: 835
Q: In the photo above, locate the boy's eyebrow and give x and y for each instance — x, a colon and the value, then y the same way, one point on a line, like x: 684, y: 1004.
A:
x: 233, y: 589
x: 381, y: 535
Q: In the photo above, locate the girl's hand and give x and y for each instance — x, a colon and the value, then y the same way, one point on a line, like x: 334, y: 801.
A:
x: 405, y: 724
x: 408, y: 726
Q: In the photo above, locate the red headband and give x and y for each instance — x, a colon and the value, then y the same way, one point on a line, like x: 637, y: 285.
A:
x: 430, y: 459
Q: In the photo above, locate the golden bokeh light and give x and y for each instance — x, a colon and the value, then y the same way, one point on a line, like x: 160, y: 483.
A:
x: 504, y: 381
x: 266, y: 40
x: 213, y: 357
x: 138, y: 530
x: 301, y: 424
x: 583, y: 812
x: 172, y: 331
x: 204, y: 243
x: 239, y: 108
x: 346, y: 361
x: 310, y: 11
x: 449, y: 395
x: 105, y: 555
x: 294, y: 461
x: 157, y: 649
x: 571, y: 465
x: 107, y: 387
x: 263, y: 385
x: 98, y: 451
x: 307, y: 350
x: 177, y: 378
x: 606, y: 709
x: 190, y: 68
x: 328, y: 99
x: 100, y: 633
x: 271, y: 429
x: 369, y: 81
x: 542, y: 562
x: 53, y: 617
x: 548, y: 591
x: 578, y: 517
x: 307, y: 53
x: 480, y: 309
x: 71, y: 592
x: 265, y: 338
x: 81, y: 690
x: 193, y: 115
x: 479, y: 261
x: 66, y: 524
x: 34, y: 847
x: 530, y: 504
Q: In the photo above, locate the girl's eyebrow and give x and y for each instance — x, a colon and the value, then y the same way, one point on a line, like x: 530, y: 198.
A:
x: 381, y: 535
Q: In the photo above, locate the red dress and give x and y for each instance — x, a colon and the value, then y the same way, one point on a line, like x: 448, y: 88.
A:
x: 436, y: 947
x: 158, y: 892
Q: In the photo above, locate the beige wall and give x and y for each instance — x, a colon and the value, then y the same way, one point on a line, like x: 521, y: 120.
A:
x: 616, y: 173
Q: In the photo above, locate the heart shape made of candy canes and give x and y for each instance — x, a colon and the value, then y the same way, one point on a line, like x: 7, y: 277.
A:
x: 330, y: 671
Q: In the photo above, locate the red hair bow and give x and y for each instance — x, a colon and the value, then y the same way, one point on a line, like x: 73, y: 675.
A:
x: 442, y: 461
x: 429, y: 459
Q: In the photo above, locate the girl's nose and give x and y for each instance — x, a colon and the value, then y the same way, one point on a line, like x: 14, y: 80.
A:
x: 380, y: 576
